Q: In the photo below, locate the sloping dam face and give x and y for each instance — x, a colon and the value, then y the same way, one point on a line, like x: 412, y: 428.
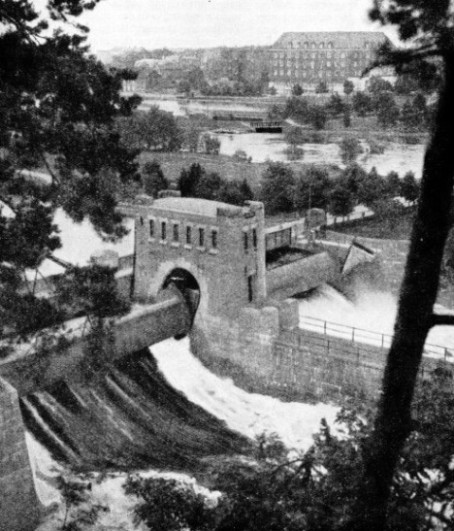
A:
x: 128, y: 418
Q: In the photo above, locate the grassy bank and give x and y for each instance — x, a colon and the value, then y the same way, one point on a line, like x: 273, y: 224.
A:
x: 227, y: 167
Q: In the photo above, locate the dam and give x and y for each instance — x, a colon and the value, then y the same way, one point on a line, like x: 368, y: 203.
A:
x: 216, y: 272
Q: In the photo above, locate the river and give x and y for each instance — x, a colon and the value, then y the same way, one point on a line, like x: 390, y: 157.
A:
x: 398, y: 157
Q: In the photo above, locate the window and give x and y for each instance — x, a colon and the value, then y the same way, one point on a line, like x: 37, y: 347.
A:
x: 163, y: 230
x: 214, y: 239
x: 176, y: 232
x: 151, y: 225
x: 250, y: 289
x: 141, y: 220
x: 254, y: 238
x: 245, y: 241
x: 188, y: 235
x: 201, y: 237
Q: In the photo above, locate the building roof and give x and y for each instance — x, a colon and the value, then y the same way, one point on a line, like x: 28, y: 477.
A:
x: 192, y: 205
x: 340, y: 39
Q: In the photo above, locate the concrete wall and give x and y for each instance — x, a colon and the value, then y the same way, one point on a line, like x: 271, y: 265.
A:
x: 141, y: 328
x: 19, y: 507
x: 301, y: 275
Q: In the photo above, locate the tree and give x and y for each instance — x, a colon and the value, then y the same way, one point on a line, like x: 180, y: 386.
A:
x: 189, y: 180
x: 350, y: 148
x: 335, y: 104
x: 378, y: 84
x: 352, y: 178
x: 341, y: 200
x: 371, y: 189
x: 154, y: 180
x: 386, y: 108
x: 297, y: 90
x: 312, y: 189
x: 409, y: 188
x: 427, y: 26
x: 321, y: 88
x: 236, y: 192
x: 278, y: 185
x: 389, y: 211
x: 209, y: 186
x: 58, y: 110
x: 315, y: 490
x: 318, y: 116
x: 155, y: 130
x: 362, y: 103
x: 212, y: 145
x: 392, y: 184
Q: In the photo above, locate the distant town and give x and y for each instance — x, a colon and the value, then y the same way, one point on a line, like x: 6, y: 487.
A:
x: 315, y: 61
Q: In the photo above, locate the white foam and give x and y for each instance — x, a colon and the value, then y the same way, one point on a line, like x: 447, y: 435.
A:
x: 247, y: 413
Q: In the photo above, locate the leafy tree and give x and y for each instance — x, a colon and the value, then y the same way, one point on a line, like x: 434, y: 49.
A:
x: 236, y: 192
x: 312, y: 189
x: 378, y: 84
x: 321, y: 88
x: 427, y: 28
x: 372, y: 189
x: 297, y: 90
x: 387, y: 109
x: 297, y: 108
x: 316, y: 490
x: 352, y: 178
x: 350, y: 148
x: 392, y: 184
x: 278, y: 185
x: 348, y: 87
x: 155, y: 130
x: 154, y: 180
x: 389, y: 211
x: 79, y: 511
x: 58, y: 110
x: 362, y: 103
x: 318, y: 116
x: 167, y: 505
x: 189, y: 179
x: 409, y: 188
x: 209, y: 186
x: 341, y: 200
x: 212, y: 145
x: 335, y: 104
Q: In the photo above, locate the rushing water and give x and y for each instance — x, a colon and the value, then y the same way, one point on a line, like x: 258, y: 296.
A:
x: 373, y: 311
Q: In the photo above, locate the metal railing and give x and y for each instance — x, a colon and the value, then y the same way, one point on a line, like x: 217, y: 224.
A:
x: 362, y: 337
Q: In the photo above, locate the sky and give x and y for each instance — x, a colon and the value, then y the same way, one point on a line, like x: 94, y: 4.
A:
x: 208, y: 23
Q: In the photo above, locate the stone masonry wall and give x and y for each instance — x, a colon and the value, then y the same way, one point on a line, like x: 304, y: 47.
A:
x: 19, y: 507
x: 264, y: 351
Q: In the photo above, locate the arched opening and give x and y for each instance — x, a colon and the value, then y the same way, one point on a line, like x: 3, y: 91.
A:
x: 187, y: 285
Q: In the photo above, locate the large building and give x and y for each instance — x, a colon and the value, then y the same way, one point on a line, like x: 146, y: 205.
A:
x: 308, y: 58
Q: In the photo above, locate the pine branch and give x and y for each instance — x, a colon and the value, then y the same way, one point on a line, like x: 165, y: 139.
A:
x: 440, y: 319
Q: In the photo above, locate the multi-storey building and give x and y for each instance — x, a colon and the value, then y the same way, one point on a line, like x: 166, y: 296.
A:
x: 308, y: 58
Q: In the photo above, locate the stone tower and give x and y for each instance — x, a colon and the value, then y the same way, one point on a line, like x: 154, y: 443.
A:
x: 217, y: 248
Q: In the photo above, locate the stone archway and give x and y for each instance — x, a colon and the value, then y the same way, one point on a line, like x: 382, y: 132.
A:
x: 187, y: 285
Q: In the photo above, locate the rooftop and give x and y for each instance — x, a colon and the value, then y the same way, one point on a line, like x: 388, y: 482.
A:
x: 341, y: 39
x: 192, y: 205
